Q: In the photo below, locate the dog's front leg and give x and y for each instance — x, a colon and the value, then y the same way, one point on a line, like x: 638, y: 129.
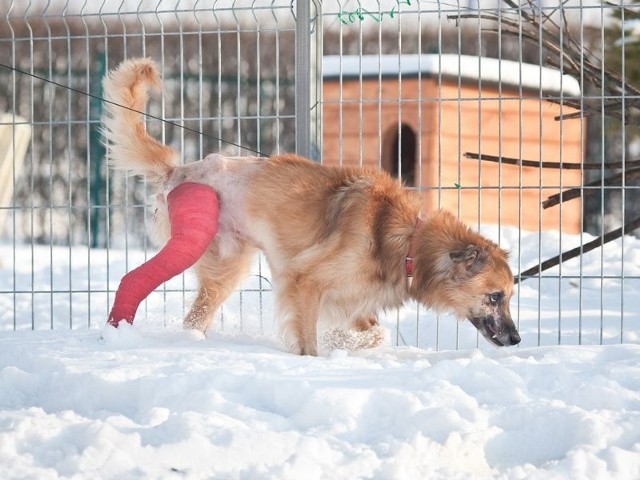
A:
x: 308, y: 338
x: 299, y: 305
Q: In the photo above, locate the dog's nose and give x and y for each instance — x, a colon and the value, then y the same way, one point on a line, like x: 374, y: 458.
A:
x: 514, y: 338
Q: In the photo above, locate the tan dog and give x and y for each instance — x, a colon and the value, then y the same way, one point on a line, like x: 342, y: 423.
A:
x: 340, y: 242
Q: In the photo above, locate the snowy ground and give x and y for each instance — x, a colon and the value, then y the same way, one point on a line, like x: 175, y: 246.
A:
x: 153, y: 401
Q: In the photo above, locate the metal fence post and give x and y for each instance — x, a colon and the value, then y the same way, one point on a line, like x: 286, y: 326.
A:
x: 308, y: 78
x: 96, y: 151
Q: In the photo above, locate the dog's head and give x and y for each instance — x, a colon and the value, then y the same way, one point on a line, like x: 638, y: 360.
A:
x: 469, y: 276
x: 486, y: 285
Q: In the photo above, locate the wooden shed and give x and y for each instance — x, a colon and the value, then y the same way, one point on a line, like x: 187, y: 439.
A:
x: 417, y: 115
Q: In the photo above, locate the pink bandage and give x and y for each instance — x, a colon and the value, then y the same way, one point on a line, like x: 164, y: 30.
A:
x: 193, y: 215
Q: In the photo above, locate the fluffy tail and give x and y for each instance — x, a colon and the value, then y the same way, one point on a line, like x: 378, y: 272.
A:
x: 126, y: 90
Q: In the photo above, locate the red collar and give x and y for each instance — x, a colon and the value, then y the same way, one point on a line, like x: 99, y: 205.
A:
x: 408, y: 261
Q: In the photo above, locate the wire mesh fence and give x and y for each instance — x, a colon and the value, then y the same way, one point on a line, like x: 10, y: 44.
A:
x: 520, y: 117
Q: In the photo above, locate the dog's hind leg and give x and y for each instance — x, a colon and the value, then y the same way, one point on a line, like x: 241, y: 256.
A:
x: 218, y: 278
x: 193, y: 215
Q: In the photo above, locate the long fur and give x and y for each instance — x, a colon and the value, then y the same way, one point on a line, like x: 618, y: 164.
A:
x: 126, y: 92
x: 335, y: 238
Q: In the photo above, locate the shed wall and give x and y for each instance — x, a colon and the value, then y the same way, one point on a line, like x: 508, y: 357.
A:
x: 361, y: 119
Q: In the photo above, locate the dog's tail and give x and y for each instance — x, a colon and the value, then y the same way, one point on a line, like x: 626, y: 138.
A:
x: 126, y: 90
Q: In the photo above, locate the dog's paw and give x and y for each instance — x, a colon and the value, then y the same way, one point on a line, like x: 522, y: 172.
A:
x: 352, y: 340
x: 365, y: 323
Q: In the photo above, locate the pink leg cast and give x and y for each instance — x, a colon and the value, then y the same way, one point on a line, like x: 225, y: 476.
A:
x: 193, y: 215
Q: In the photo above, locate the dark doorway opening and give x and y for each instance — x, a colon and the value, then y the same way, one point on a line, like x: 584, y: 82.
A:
x: 401, y: 161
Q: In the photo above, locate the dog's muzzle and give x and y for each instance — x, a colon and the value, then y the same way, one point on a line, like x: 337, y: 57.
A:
x: 502, y: 334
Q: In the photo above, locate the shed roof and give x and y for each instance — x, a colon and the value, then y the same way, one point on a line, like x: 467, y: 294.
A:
x: 509, y: 73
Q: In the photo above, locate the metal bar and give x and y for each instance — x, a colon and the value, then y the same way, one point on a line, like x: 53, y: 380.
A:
x: 303, y: 67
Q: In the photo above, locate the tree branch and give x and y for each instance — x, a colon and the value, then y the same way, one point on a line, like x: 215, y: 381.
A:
x: 570, y: 194
x: 555, y: 165
x: 576, y: 252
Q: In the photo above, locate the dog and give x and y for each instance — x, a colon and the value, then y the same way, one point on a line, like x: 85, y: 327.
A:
x: 342, y: 244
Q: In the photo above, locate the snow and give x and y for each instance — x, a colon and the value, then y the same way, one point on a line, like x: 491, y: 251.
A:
x: 464, y: 67
x: 154, y: 401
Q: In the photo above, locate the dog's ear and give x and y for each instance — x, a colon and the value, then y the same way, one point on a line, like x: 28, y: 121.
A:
x: 470, y: 260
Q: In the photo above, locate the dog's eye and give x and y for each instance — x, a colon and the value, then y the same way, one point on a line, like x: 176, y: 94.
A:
x: 495, y: 298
